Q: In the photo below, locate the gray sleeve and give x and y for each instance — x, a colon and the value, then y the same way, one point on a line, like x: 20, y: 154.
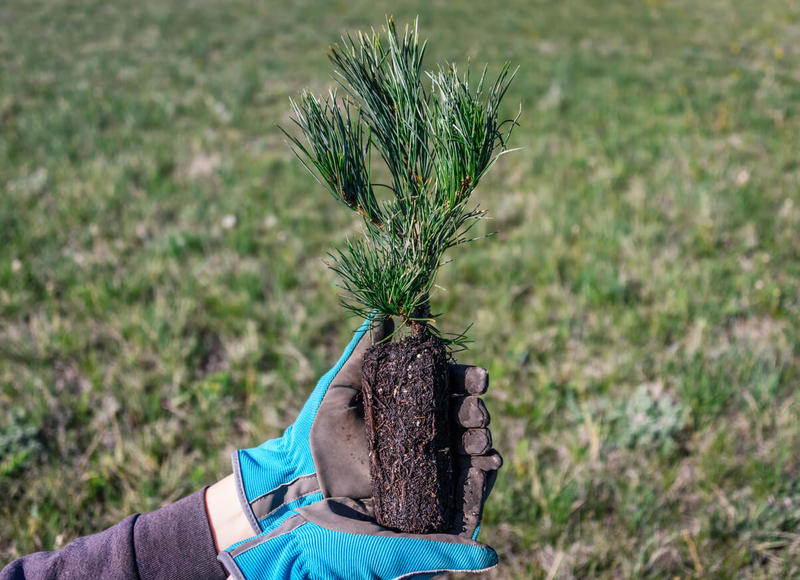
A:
x: 173, y: 542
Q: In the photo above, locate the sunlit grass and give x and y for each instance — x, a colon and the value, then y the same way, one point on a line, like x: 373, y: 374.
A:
x: 163, y: 299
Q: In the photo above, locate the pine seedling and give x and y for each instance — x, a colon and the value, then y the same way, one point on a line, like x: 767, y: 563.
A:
x: 437, y: 133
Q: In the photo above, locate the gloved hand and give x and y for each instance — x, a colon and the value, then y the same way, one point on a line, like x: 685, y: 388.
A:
x: 338, y: 539
x: 325, y: 453
x: 296, y: 523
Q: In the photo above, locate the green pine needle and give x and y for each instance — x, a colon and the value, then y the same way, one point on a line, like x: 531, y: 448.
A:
x: 437, y: 133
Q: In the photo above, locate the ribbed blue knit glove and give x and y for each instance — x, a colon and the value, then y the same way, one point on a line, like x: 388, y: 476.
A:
x: 338, y: 539
x: 281, y: 474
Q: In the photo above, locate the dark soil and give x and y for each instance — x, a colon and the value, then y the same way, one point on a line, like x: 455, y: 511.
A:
x: 408, y: 429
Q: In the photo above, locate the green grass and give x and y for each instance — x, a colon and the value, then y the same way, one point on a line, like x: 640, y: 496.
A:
x: 163, y: 299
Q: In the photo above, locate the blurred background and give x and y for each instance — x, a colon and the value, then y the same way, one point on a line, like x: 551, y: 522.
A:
x: 163, y: 297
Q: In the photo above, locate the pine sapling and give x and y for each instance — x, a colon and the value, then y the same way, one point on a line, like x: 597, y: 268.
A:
x: 436, y: 134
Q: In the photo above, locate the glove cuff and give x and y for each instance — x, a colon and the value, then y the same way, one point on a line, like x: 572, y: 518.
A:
x: 240, y: 492
x: 267, y: 486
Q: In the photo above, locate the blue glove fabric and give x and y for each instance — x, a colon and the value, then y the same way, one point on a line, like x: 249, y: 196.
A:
x: 279, y: 475
x: 337, y: 539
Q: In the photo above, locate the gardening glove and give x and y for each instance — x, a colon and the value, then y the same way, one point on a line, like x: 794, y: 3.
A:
x: 339, y: 539
x: 325, y: 452
x: 281, y: 473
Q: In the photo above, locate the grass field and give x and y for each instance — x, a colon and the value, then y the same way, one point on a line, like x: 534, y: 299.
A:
x: 163, y: 299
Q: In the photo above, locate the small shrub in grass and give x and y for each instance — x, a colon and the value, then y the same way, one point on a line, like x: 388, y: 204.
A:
x: 19, y: 442
x: 650, y: 417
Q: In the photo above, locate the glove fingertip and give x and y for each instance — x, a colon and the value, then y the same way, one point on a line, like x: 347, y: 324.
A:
x: 468, y: 379
x: 476, y: 557
x: 492, y: 558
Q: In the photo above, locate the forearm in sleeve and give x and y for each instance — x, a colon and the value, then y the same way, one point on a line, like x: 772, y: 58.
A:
x: 173, y: 542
